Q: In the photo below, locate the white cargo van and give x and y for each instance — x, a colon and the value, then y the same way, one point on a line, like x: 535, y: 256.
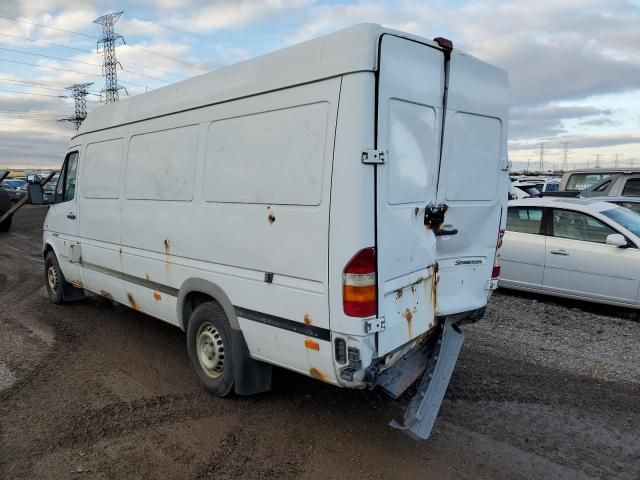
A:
x: 333, y: 208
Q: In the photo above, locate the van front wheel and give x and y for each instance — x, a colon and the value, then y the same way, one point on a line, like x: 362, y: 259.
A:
x: 209, y: 347
x: 53, y: 278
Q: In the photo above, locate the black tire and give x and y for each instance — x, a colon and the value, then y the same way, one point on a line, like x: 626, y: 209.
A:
x: 53, y: 278
x: 209, y: 344
x: 5, y: 205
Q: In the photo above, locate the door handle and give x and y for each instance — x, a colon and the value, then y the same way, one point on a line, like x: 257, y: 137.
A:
x: 562, y: 251
x: 445, y: 231
x: 71, y: 215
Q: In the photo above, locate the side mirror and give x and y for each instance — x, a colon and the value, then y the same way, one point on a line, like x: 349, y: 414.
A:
x: 616, y: 240
x: 35, y: 194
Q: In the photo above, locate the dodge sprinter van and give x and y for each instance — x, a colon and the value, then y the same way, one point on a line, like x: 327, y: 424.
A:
x: 333, y: 208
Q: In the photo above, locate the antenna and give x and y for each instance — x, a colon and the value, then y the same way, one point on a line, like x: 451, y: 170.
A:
x: 79, y: 93
x: 110, y: 64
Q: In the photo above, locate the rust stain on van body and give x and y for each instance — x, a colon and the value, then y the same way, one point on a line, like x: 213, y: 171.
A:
x: 317, y: 374
x: 307, y: 319
x: 76, y: 283
x: 167, y: 246
x: 156, y: 296
x: 132, y: 301
x: 106, y: 295
x: 434, y: 288
x: 408, y: 316
x: 147, y: 277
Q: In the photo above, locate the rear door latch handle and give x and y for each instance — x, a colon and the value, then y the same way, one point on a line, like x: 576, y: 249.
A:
x: 559, y: 252
x: 72, y: 216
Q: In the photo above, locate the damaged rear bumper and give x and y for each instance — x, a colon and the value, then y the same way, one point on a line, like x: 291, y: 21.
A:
x: 435, y: 362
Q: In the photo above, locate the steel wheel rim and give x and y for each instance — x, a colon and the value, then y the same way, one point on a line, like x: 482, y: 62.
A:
x: 52, y: 278
x: 210, y: 350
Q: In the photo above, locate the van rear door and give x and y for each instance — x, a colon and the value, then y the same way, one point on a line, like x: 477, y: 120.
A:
x: 473, y: 182
x: 422, y: 274
x: 410, y: 105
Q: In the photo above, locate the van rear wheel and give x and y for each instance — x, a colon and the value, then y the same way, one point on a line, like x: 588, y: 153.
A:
x: 209, y: 346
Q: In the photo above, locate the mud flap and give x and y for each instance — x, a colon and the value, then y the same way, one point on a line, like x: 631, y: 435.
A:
x: 251, y: 376
x: 424, y: 406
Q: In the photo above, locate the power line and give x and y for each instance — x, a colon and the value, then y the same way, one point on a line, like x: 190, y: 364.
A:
x: 168, y: 58
x: 31, y: 93
x: 66, y: 70
x: 90, y: 51
x: 22, y: 84
x: 80, y: 62
x: 46, y: 43
x: 85, y: 35
x: 45, y: 26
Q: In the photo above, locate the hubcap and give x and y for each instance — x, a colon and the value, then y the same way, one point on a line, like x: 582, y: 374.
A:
x: 210, y: 350
x: 52, y: 278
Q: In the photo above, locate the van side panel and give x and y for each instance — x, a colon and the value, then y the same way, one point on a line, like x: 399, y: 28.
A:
x: 228, y: 239
x: 100, y: 181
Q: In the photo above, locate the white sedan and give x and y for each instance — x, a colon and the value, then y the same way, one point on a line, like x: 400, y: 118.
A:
x: 585, y: 249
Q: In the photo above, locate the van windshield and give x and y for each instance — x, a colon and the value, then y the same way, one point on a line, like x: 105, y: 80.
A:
x: 581, y: 181
x: 625, y: 218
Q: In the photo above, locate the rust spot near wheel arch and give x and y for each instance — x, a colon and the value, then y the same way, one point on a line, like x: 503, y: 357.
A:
x: 434, y: 289
x: 317, y: 374
x: 106, y: 295
x: 307, y: 319
x: 167, y: 246
x: 76, y: 283
x: 157, y: 296
x: 132, y: 301
x: 399, y: 294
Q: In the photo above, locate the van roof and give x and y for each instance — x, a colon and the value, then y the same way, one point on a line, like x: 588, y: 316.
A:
x: 353, y: 49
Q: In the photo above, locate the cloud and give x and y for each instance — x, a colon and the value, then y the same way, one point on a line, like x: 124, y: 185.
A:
x: 548, y: 120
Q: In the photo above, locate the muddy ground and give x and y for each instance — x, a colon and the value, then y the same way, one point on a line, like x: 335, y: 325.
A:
x: 543, y: 389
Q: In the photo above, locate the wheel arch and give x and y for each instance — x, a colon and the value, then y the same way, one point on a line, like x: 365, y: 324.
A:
x: 195, y: 291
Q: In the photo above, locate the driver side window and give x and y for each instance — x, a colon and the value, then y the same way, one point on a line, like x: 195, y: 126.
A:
x: 66, y: 188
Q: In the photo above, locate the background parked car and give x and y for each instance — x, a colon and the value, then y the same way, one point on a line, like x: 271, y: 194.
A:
x: 520, y: 189
x: 577, y: 248
x: 13, y: 187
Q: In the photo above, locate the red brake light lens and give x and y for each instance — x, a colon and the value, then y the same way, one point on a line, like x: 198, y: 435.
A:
x: 359, y: 295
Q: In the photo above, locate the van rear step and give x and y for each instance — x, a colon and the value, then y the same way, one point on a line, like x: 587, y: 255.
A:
x: 422, y: 411
x: 402, y: 374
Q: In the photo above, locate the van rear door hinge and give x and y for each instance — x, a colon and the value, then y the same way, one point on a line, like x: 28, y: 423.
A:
x: 373, y: 157
x: 506, y: 165
x: 374, y: 325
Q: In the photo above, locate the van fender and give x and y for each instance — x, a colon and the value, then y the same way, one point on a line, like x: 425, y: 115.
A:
x: 209, y: 288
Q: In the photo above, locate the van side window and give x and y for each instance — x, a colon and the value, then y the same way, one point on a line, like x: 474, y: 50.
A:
x: 101, y: 165
x: 524, y: 220
x: 66, y: 187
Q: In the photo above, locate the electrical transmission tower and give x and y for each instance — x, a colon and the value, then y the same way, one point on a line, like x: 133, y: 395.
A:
x: 597, y: 155
x: 565, y: 155
x: 541, y: 153
x: 110, y: 65
x: 618, y: 157
x: 79, y: 92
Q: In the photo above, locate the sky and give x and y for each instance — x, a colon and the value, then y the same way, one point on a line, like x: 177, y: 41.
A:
x: 574, y: 65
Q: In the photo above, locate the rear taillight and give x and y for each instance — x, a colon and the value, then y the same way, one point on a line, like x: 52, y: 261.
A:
x: 495, y: 273
x: 359, y: 297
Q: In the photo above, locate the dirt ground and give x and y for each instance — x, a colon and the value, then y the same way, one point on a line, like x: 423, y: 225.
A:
x: 543, y: 389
